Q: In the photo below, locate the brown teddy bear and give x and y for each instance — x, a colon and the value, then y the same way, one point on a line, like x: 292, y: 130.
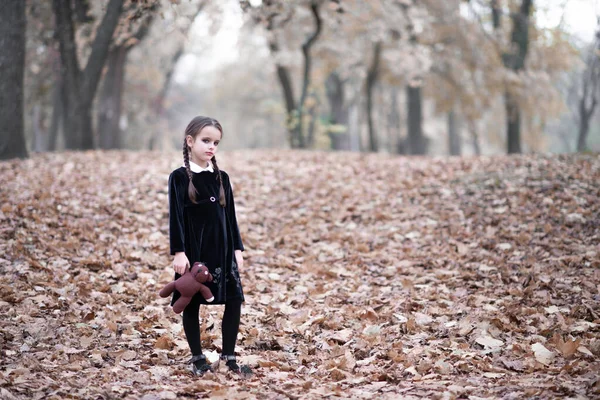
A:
x: 190, y: 283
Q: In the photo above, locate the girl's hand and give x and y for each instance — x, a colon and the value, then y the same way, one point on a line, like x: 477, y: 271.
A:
x: 239, y: 259
x: 180, y: 263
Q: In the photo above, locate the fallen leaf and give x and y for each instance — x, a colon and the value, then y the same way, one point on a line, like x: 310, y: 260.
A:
x: 493, y: 375
x: 387, y: 277
x: 489, y: 342
x: 164, y: 342
x: 585, y: 351
x: 542, y: 354
x: 128, y: 355
x: 567, y: 348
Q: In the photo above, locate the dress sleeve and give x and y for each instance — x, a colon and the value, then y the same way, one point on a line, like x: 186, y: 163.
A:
x: 176, y: 204
x: 237, y: 238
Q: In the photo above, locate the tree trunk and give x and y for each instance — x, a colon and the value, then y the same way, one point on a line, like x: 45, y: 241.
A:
x: 295, y: 113
x: 474, y: 137
x: 306, y: 47
x: 354, y: 125
x: 591, y: 93
x: 40, y: 137
x: 82, y: 8
x: 585, y: 115
x: 12, y: 72
x: 371, y: 80
x: 111, y: 96
x: 57, y: 104
x: 81, y: 85
x: 584, y: 128
x: 394, y: 124
x: 416, y: 140
x: 110, y: 99
x: 515, y: 60
x: 288, y: 94
x: 313, y: 112
x: 496, y: 13
x: 513, y: 124
x: 78, y: 126
x: 338, y: 113
x: 454, y: 142
x: 159, y: 101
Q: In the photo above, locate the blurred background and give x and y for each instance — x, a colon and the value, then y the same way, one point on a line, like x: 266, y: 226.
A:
x: 397, y: 76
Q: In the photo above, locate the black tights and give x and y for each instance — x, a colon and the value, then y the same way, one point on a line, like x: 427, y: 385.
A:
x: 229, y: 326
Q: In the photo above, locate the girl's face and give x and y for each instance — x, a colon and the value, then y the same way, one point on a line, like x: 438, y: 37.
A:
x: 204, y: 146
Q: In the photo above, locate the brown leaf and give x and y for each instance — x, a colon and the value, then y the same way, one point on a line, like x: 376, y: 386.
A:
x: 164, y: 342
x: 569, y: 347
x: 386, y: 277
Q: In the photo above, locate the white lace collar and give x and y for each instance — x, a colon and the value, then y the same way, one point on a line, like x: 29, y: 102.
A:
x: 197, y: 169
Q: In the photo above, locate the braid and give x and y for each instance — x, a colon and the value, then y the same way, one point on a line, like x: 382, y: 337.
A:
x: 193, y: 129
x: 220, y: 178
x: 186, y: 161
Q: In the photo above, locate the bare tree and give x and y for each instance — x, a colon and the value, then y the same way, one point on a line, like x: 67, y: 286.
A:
x: 591, y: 92
x: 338, y: 114
x: 79, y: 86
x: 271, y: 14
x: 158, y: 108
x: 110, y: 98
x: 12, y: 64
x: 372, y: 75
x: 454, y: 139
x: 306, y: 48
x: 514, y: 59
x: 417, y: 143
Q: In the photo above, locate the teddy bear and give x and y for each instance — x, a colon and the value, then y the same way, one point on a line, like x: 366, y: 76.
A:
x: 190, y: 283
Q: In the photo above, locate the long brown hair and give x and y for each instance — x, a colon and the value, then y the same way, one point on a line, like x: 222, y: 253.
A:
x: 193, y: 129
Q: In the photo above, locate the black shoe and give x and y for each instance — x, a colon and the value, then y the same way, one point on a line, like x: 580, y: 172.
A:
x: 244, y: 370
x: 199, y: 365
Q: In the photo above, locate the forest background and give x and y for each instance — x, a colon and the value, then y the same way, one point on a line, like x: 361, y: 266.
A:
x: 402, y: 77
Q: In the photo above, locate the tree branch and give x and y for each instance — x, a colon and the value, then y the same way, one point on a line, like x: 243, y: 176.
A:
x: 496, y: 12
x: 306, y: 51
x: 484, y: 32
x: 82, y: 8
x: 314, y: 6
x: 100, y: 46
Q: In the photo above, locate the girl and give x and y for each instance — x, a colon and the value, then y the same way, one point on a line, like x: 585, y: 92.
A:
x: 203, y: 227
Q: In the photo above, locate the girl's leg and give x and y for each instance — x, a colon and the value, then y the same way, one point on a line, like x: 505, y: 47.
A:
x: 229, y: 328
x: 231, y: 325
x: 191, y: 326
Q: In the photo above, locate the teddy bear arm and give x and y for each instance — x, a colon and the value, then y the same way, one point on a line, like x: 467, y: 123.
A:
x: 167, y: 290
x: 206, y: 293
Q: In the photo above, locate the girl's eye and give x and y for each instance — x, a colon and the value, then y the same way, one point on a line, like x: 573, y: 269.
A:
x: 217, y: 143
x: 205, y: 140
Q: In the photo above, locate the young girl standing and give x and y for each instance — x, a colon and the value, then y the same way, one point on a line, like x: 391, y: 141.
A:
x: 203, y: 227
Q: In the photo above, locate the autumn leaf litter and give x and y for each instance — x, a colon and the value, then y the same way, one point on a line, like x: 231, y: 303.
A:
x: 366, y: 276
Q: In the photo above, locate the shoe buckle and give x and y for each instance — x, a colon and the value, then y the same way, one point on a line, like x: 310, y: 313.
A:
x: 197, y: 358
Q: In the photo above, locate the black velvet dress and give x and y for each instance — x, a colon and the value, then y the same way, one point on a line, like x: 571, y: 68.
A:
x: 206, y: 231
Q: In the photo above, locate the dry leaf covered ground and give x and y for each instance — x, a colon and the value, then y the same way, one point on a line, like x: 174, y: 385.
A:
x: 367, y: 276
